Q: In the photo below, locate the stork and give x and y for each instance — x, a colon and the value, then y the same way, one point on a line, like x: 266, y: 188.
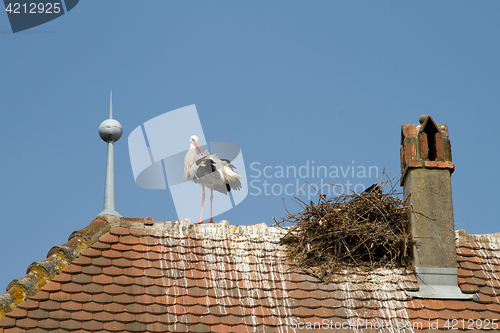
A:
x: 208, y: 170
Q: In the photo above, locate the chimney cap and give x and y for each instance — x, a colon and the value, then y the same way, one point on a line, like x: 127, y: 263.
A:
x: 423, y: 118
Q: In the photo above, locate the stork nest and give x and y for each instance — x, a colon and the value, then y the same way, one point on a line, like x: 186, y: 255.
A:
x: 362, y: 230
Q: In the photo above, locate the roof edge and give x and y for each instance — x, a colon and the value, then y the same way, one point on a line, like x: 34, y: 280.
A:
x: 462, y: 236
x: 41, y: 272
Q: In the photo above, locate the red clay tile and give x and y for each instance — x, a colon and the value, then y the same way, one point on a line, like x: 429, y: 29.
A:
x: 487, y: 290
x: 479, y: 260
x: 7, y: 323
x: 141, y: 263
x: 230, y: 320
x: 139, y: 232
x: 466, y: 252
x: 71, y: 325
x: 71, y: 288
x: 62, y: 278
x: 81, y: 316
x: 487, y: 315
x: 119, y: 231
x: 112, y: 271
x: 111, y: 254
x: 148, y: 240
x: 206, y: 301
x: 102, y: 279
x: 52, y: 286
x: 310, y: 303
x: 475, y: 281
x: 135, y: 308
x: 494, y: 284
x: 481, y: 275
x: 18, y: 313
x: 90, y: 253
x: 123, y: 299
x: 151, y: 256
x: 102, y: 316
x: 157, y: 309
x: 102, y: 298
x: 81, y: 297
x: 109, y: 238
x: 48, y: 324
x: 135, y: 327
x: 81, y: 278
x: 164, y: 282
x: 134, y: 290
x: 221, y: 328
x: 126, y: 280
x: 41, y: 296
x: 180, y: 310
x: 101, y: 262
x: 468, y: 314
x: 210, y: 320
x: 114, y: 326
x: 144, y: 299
x: 113, y: 289
x: 122, y: 262
x: 114, y: 308
x: 60, y: 315
x: 455, y: 305
x: 129, y: 240
x: 26, y: 323
x: 91, y: 270
x: 50, y: 305
x: 152, y: 272
x: 200, y: 328
x: 475, y: 306
x: 470, y: 266
x: 165, y: 300
x: 484, y: 299
x: 38, y: 314
x: 145, y: 318
x: 465, y: 272
x: 101, y: 246
x: 141, y: 248
x: 133, y: 271
x: 494, y: 307
x: 121, y: 247
x: 469, y: 288
x: 124, y: 317
x: 158, y: 291
x: 92, y: 325
x: 93, y: 307
x: 434, y: 304
x: 157, y: 327
x: 71, y: 306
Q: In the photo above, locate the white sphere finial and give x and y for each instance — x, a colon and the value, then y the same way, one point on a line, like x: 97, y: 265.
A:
x: 110, y: 129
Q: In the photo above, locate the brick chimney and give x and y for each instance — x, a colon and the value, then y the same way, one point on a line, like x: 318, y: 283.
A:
x: 426, y: 168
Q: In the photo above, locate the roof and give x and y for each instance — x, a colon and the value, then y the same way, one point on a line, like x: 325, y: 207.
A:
x: 136, y: 275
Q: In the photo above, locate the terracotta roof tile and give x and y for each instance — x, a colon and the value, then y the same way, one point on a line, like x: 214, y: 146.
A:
x: 25, y: 323
x: 109, y: 238
x: 71, y: 325
x: 168, y: 276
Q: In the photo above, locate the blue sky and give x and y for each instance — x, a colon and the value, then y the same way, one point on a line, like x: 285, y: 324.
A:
x: 293, y: 83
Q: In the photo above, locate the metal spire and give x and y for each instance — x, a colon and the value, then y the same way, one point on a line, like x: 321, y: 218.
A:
x: 110, y: 131
x: 111, y: 105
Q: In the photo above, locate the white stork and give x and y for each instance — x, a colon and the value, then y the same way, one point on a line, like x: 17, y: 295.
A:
x: 210, y: 171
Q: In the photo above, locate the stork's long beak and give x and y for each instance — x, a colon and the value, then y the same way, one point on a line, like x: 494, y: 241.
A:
x: 198, y: 147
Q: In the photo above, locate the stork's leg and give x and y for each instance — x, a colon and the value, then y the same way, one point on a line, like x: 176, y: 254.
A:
x: 202, y: 202
x: 211, y: 199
